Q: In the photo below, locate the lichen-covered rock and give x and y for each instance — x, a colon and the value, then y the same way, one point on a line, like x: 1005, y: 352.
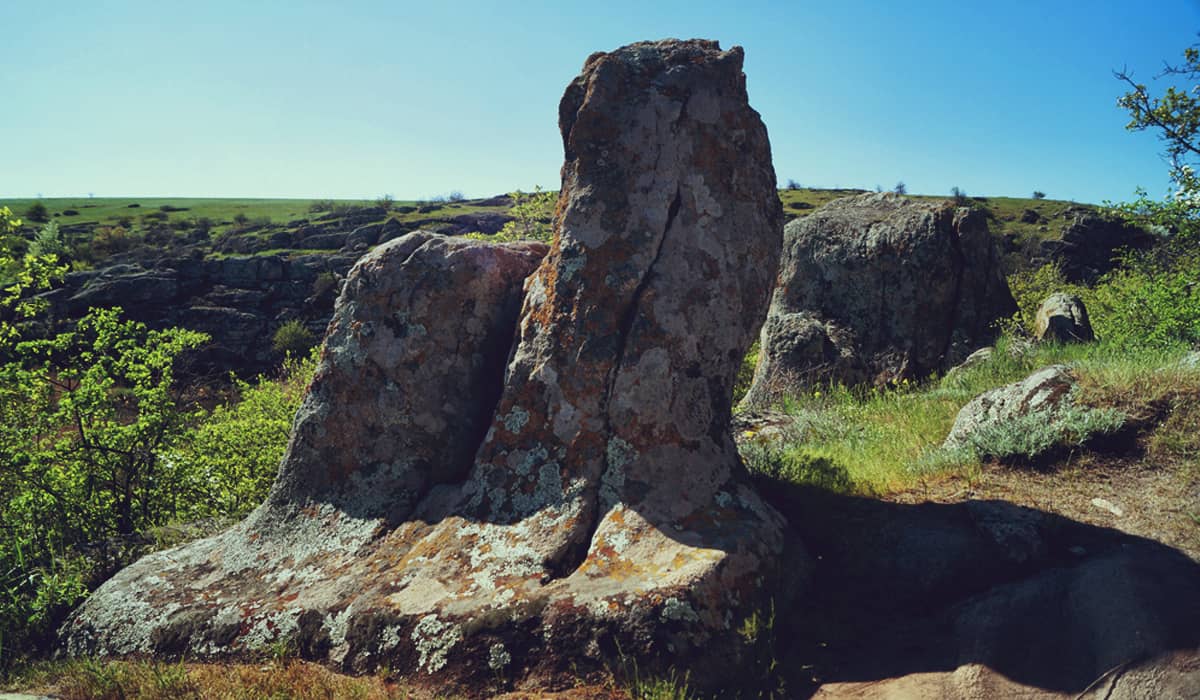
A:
x: 1063, y: 318
x: 877, y: 288
x: 1045, y: 391
x: 433, y: 517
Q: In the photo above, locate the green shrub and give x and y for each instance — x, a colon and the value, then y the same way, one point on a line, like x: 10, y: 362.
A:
x: 292, y: 339
x: 232, y: 453
x: 1034, y: 434
x: 37, y: 213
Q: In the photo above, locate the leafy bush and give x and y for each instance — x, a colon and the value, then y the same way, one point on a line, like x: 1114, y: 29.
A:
x: 83, y: 417
x: 1039, y: 432
x: 37, y: 213
x: 292, y: 338
x: 109, y: 240
x: 231, y: 455
x: 532, y: 213
x: 1038, y: 194
x: 1152, y: 300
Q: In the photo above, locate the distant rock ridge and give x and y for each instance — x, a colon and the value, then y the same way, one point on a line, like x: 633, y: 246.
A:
x: 468, y: 513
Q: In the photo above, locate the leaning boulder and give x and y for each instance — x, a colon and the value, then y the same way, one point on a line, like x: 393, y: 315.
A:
x: 1063, y: 318
x: 877, y: 288
x: 463, y: 520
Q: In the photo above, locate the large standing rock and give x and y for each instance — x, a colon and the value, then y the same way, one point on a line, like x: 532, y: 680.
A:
x: 879, y: 287
x: 599, y: 503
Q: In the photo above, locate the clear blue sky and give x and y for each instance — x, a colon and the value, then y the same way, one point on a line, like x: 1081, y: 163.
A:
x: 413, y: 99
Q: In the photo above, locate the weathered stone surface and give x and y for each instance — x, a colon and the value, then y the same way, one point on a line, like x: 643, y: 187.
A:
x: 1090, y: 241
x: 1044, y: 391
x: 877, y: 288
x: 1063, y: 318
x: 601, y: 502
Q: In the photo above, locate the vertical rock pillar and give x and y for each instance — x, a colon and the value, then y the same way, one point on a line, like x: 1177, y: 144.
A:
x: 602, y: 502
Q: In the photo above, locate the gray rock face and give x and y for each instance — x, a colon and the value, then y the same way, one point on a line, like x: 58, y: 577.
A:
x: 1089, y: 242
x: 239, y: 301
x: 420, y: 521
x: 1063, y: 318
x: 876, y: 288
x: 1044, y: 391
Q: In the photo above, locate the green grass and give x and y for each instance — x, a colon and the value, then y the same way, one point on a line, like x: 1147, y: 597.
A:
x: 878, y: 441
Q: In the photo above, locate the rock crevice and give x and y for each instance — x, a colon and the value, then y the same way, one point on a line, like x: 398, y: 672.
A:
x: 420, y: 520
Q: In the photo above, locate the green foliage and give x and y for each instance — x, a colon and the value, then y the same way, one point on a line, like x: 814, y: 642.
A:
x: 532, y: 213
x: 1152, y: 300
x: 21, y: 277
x: 83, y: 417
x: 1038, y: 194
x: 37, y: 213
x: 48, y: 241
x: 745, y: 375
x: 292, y: 338
x: 231, y: 455
x: 792, y: 462
x: 1175, y: 116
x: 1037, y: 433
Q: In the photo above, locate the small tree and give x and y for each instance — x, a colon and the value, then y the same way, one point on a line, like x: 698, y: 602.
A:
x: 959, y: 194
x: 37, y: 213
x: 793, y: 185
x: 385, y: 202
x: 900, y: 188
x: 531, y: 216
x: 1037, y: 194
x: 1175, y: 116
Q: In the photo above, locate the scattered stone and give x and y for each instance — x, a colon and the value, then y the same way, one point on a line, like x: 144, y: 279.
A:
x: 1103, y: 504
x: 979, y: 357
x: 1063, y: 318
x: 877, y: 288
x: 1044, y: 391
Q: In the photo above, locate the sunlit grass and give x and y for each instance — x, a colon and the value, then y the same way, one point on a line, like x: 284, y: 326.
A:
x: 882, y: 440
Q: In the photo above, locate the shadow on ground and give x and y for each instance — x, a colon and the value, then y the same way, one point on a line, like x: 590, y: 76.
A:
x: 1045, y: 602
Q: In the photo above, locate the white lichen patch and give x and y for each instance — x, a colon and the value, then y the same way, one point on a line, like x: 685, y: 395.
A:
x: 569, y: 267
x: 676, y: 609
x: 433, y: 640
x: 617, y: 454
x: 498, y: 657
x: 516, y: 419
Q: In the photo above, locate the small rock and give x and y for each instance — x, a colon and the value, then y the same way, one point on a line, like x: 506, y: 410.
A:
x: 1103, y: 504
x: 1063, y: 318
x: 1043, y: 391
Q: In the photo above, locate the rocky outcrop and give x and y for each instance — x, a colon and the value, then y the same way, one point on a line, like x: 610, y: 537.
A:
x: 876, y: 288
x: 1089, y: 241
x: 463, y: 520
x: 1063, y: 318
x: 239, y: 300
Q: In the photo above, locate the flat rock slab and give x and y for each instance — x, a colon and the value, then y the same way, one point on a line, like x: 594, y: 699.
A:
x: 468, y: 514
